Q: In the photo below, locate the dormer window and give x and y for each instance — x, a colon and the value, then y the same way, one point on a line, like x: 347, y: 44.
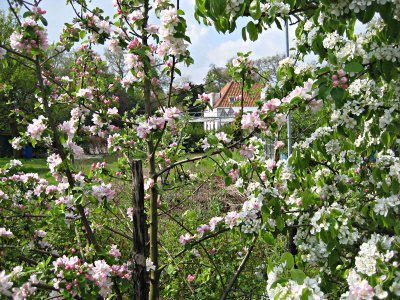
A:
x: 231, y: 99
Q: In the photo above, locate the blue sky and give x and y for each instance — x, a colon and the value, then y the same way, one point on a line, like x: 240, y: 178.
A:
x: 208, y: 46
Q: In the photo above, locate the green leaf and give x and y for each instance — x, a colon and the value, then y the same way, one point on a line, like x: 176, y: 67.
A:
x: 278, y: 24
x: 288, y: 260
x: 338, y: 95
x: 322, y: 70
x: 324, y: 90
x: 280, y: 223
x: 212, y: 140
x: 244, y: 35
x: 366, y: 15
x: 333, y: 259
x: 227, y: 152
x: 252, y: 30
x: 298, y: 275
x: 353, y: 67
x: 82, y: 34
x: 395, y: 186
x: 385, y: 138
x: 268, y: 237
x: 78, y: 200
x: 44, y: 21
x: 27, y: 14
x: 255, y: 10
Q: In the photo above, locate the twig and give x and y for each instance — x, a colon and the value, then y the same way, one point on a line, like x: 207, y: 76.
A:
x: 239, y: 270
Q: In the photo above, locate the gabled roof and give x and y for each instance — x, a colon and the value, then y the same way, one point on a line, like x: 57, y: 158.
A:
x: 233, y: 89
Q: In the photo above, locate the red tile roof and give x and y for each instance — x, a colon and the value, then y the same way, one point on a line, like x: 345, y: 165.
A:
x: 233, y: 89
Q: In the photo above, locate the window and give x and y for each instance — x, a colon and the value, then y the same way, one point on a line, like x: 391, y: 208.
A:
x: 231, y: 99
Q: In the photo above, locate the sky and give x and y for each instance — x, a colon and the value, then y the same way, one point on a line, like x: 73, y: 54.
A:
x: 208, y: 46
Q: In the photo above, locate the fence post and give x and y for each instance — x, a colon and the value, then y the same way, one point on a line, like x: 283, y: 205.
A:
x: 139, y: 232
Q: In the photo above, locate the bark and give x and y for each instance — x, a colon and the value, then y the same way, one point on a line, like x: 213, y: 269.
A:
x: 153, y: 230
x: 139, y: 232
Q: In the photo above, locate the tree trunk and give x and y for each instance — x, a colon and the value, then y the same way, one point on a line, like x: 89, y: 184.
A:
x: 139, y: 232
x: 153, y: 231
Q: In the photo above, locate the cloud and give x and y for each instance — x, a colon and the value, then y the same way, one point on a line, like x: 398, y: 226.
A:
x: 213, y: 48
x: 198, y: 34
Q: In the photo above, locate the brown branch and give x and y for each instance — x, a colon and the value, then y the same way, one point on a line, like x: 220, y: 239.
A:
x: 239, y: 270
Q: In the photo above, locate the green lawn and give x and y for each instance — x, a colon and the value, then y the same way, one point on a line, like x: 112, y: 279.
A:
x: 39, y: 165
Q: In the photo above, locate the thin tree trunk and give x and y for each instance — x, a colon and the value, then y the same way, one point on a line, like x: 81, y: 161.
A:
x: 153, y: 231
x: 139, y: 232
x: 60, y: 149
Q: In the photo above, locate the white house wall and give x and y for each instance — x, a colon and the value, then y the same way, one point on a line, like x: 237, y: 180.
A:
x: 219, y: 122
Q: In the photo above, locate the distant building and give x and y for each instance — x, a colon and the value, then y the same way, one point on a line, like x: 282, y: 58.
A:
x: 227, y: 102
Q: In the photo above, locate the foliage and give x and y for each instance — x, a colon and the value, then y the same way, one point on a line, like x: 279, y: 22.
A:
x: 266, y: 67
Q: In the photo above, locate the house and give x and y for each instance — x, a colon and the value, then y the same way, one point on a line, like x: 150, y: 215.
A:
x: 227, y: 102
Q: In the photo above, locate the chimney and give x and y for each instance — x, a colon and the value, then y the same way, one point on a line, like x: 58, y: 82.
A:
x: 212, y: 99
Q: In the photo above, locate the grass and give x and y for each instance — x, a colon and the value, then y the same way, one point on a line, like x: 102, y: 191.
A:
x: 189, y: 205
x: 39, y: 165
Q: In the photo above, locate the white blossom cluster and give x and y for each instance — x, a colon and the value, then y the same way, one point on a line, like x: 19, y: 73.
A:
x: 309, y: 34
x: 362, y: 45
x: 350, y: 50
x: 315, y: 251
x: 303, y: 68
x: 233, y: 6
x: 278, y: 7
x: 292, y: 289
x: 317, y: 134
x: 251, y: 222
x: 385, y: 52
x: 171, y: 44
x: 333, y: 147
x: 331, y: 40
x: 361, y: 86
x: 377, y: 248
x: 384, y: 204
x: 342, y: 7
x: 387, y: 117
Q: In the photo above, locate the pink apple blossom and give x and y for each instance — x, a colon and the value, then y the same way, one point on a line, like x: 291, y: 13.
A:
x: 222, y: 137
x: 214, y: 222
x: 279, y: 144
x: 270, y: 164
x: 36, y: 129
x: 5, y: 232
x: 187, y: 238
x: 231, y: 219
x: 114, y: 251
x: 203, y: 229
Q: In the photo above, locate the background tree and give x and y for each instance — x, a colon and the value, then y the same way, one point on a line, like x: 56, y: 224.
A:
x: 216, y: 78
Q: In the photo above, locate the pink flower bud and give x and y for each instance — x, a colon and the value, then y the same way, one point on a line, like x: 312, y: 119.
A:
x: 334, y: 77
x: 190, y: 278
x: 341, y: 73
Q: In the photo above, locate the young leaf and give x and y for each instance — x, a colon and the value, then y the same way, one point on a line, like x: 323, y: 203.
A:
x: 353, y: 67
x: 287, y: 258
x: 298, y: 275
